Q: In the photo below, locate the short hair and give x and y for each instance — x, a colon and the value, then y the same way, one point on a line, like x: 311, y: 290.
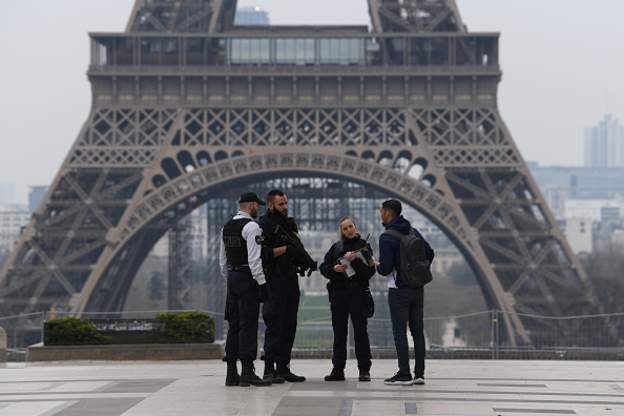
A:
x: 273, y: 193
x: 394, y: 206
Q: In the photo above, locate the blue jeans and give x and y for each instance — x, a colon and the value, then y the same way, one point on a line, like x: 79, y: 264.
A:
x: 406, y: 308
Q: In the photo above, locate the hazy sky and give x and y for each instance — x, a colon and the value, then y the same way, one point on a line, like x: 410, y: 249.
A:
x: 563, y: 63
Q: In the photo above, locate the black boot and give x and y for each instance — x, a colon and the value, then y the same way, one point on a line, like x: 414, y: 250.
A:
x: 364, y: 375
x: 249, y: 378
x: 270, y: 374
x: 232, y: 378
x: 336, y: 375
x: 284, y: 372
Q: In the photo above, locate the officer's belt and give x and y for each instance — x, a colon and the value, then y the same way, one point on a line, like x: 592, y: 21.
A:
x: 241, y: 268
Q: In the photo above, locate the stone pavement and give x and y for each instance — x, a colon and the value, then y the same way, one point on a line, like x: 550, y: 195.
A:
x: 467, y: 388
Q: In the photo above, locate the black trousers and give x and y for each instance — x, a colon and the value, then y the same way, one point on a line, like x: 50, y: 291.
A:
x: 344, y: 303
x: 406, y: 309
x: 242, y: 310
x: 280, y: 318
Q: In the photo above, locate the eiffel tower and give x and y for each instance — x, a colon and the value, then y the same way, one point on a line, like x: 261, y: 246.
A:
x: 186, y: 105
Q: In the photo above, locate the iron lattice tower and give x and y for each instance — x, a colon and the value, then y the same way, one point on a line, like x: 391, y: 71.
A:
x: 184, y: 104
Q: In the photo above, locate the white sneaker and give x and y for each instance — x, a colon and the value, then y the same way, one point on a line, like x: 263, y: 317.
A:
x: 399, y: 379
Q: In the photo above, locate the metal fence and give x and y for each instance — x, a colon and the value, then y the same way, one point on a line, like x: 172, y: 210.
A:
x: 475, y: 335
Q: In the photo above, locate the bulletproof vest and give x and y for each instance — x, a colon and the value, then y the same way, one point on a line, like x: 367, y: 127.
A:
x: 234, y: 243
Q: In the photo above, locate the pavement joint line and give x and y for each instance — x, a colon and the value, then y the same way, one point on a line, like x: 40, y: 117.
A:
x: 108, y: 385
x: 102, y: 380
x: 543, y: 411
x: 411, y: 408
x: 47, y: 397
x: 346, y: 407
x: 59, y: 408
x: 493, y: 392
x: 556, y: 380
x: 61, y: 393
x: 454, y: 399
x: 50, y: 387
x: 511, y: 385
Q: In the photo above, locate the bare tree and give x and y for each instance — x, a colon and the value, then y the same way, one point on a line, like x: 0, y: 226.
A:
x: 605, y: 268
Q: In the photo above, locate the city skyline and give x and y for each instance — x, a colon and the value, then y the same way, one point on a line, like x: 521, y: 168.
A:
x: 555, y: 77
x: 604, y: 143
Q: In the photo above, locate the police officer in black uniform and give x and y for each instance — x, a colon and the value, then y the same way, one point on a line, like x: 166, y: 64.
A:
x: 349, y: 265
x: 241, y: 264
x: 284, y: 259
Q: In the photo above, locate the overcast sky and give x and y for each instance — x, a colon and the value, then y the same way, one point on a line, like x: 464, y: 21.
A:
x: 563, y: 63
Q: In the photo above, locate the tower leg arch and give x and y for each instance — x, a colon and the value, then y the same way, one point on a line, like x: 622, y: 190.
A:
x: 158, y: 209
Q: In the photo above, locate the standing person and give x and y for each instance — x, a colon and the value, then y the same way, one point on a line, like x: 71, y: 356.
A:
x: 349, y: 295
x: 284, y: 259
x: 241, y: 264
x: 405, y: 287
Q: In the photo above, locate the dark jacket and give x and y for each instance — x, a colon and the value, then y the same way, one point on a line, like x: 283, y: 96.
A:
x: 340, y: 280
x: 282, y: 265
x: 389, y: 246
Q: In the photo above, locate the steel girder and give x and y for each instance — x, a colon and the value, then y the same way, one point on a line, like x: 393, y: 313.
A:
x: 180, y: 265
x: 415, y: 16
x: 205, y: 16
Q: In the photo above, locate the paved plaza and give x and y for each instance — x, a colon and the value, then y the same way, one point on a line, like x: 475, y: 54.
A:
x: 467, y: 388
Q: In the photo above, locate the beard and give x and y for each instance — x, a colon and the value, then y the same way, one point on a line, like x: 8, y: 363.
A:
x: 283, y: 214
x: 254, y: 214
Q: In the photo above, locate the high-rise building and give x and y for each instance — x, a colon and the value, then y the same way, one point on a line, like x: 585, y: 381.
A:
x: 12, y: 220
x: 604, y: 144
x: 35, y: 195
x: 251, y: 16
x: 7, y: 193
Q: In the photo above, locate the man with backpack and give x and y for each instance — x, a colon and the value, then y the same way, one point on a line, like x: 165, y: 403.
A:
x: 405, y: 258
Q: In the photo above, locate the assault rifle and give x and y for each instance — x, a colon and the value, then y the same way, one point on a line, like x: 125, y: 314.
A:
x: 303, y: 262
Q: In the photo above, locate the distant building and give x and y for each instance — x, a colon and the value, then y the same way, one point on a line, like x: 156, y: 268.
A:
x: 7, y: 193
x: 35, y: 195
x: 579, y: 233
x: 604, y: 144
x: 12, y: 220
x: 561, y: 183
x: 594, y: 210
x: 251, y: 16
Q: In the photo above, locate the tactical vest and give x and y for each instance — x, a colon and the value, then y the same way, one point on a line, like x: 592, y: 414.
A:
x: 234, y: 243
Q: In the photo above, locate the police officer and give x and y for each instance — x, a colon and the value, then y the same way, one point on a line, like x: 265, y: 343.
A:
x: 285, y: 258
x: 241, y: 264
x: 349, y: 294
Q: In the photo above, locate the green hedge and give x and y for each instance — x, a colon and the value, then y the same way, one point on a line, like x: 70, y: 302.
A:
x: 72, y: 331
x: 170, y: 328
x: 186, y: 327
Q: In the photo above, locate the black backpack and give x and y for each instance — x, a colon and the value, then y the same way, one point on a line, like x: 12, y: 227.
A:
x: 414, y: 269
